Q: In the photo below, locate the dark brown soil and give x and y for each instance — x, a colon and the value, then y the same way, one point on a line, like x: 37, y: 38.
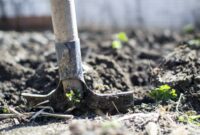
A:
x: 28, y: 64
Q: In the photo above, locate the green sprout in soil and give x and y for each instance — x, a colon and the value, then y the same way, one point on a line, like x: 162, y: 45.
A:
x: 73, y: 96
x: 189, y: 28
x: 122, y: 37
x: 163, y: 93
x: 119, y: 39
x: 116, y: 44
x: 192, y: 119
x: 4, y: 110
x: 194, y: 42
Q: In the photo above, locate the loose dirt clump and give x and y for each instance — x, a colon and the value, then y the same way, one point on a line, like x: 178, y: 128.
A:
x: 109, y: 77
x: 181, y: 69
x: 45, y: 79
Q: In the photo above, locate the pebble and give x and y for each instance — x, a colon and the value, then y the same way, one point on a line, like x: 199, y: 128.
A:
x: 152, y: 129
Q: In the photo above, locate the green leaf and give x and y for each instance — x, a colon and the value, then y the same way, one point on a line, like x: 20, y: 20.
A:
x: 4, y: 110
x: 194, y: 42
x: 163, y: 93
x: 164, y: 87
x: 193, y: 119
x: 173, y: 93
x: 116, y: 44
x: 73, y: 96
x: 182, y: 119
x: 70, y: 95
x: 189, y: 28
x: 122, y: 37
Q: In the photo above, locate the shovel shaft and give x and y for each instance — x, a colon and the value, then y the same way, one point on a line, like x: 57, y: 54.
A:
x: 64, y: 20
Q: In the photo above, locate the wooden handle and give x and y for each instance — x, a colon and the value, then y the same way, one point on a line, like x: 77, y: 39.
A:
x: 64, y: 20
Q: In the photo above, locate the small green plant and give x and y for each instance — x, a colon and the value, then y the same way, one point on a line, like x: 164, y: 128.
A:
x: 189, y: 28
x: 119, y: 39
x: 194, y: 42
x: 122, y: 37
x: 116, y: 44
x: 73, y: 96
x: 163, y: 93
x: 4, y: 110
x: 191, y: 119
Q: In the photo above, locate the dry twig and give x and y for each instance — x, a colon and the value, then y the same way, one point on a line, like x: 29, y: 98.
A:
x: 178, y: 102
x: 42, y: 114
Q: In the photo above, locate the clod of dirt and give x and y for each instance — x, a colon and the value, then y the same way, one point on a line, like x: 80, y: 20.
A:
x: 149, y: 55
x: 107, y: 76
x: 45, y: 79
x: 12, y: 77
x: 139, y: 79
x: 9, y: 69
x: 180, y: 68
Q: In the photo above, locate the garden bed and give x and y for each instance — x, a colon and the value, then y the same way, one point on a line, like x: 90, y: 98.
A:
x: 145, y: 62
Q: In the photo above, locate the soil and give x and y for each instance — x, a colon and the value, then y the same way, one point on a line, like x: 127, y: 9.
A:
x: 149, y: 59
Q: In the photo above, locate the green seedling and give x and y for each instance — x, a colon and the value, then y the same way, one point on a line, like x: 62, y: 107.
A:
x: 163, y: 93
x: 4, y: 110
x: 119, y: 39
x: 73, y: 96
x: 194, y: 42
x: 189, y: 28
x: 122, y: 37
x: 193, y: 119
x: 116, y: 44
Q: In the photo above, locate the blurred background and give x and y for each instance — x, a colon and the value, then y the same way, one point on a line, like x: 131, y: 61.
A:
x: 103, y: 14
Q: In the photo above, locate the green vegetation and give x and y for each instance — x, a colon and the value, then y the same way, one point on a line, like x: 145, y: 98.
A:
x: 4, y: 110
x: 120, y: 38
x: 73, y: 96
x: 194, y: 42
x: 191, y: 119
x: 116, y: 44
x: 163, y: 93
x: 189, y: 28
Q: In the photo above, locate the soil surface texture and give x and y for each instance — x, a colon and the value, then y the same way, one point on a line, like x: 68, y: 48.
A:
x: 147, y: 61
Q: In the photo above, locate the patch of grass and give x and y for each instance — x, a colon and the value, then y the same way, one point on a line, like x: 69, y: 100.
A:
x: 73, y: 96
x: 163, y: 93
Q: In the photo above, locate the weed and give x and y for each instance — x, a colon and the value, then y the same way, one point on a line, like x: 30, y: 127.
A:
x: 189, y: 28
x: 122, y: 37
x: 116, y: 44
x: 4, y: 110
x: 119, y: 39
x: 73, y: 96
x: 194, y: 43
x: 163, y: 93
x: 191, y: 119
